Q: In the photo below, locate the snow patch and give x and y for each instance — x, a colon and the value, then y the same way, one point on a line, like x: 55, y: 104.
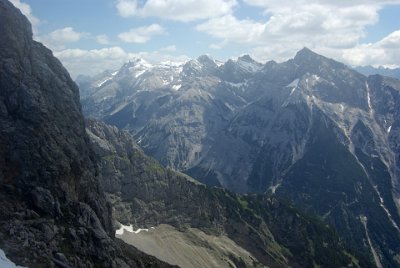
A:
x: 129, y: 228
x: 139, y: 73
x: 5, y: 262
x: 237, y: 85
x: 316, y: 77
x: 274, y: 187
x: 294, y: 83
x: 389, y: 129
x: 368, y: 97
x: 102, y: 82
x: 176, y: 87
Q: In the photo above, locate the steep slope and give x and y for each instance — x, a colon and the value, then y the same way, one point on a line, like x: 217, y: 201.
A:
x: 308, y: 129
x: 182, y: 107
x: 53, y: 212
x: 146, y: 195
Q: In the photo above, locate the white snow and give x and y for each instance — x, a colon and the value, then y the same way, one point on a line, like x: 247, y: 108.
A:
x: 274, y: 187
x: 102, y: 82
x: 139, y: 73
x: 316, y: 77
x: 389, y: 129
x: 120, y: 231
x: 139, y: 230
x: 237, y: 85
x: 169, y: 63
x: 176, y: 87
x: 368, y: 97
x: 219, y: 63
x: 5, y: 262
x: 294, y: 83
x: 129, y: 228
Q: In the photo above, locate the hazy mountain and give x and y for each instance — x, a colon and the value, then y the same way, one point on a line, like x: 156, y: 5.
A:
x: 369, y: 70
x: 311, y: 130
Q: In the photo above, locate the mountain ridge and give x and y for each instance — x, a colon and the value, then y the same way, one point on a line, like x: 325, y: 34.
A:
x: 249, y: 131
x: 144, y: 195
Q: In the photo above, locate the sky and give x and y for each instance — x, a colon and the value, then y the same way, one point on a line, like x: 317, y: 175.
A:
x: 90, y: 36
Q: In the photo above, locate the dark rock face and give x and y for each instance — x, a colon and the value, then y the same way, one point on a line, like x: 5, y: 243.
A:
x: 145, y: 194
x: 53, y: 211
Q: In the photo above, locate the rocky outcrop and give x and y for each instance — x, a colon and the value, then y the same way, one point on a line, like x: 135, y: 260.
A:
x: 53, y: 212
x: 145, y: 194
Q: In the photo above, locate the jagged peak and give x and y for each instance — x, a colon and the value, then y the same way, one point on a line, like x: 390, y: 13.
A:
x: 310, y: 59
x: 207, y: 61
x: 205, y: 58
x: 246, y: 58
x: 137, y: 62
x: 306, y: 53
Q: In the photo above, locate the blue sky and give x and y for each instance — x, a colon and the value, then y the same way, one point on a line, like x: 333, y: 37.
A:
x: 89, y: 36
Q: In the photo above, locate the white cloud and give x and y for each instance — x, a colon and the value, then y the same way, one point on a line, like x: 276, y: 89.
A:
x: 171, y: 48
x: 141, y: 34
x: 102, y: 39
x: 326, y: 26
x: 27, y: 11
x: 91, y: 62
x: 178, y: 10
x: 57, y: 39
x: 274, y: 4
x: 385, y: 52
x: 66, y: 35
x: 232, y: 29
x: 126, y: 8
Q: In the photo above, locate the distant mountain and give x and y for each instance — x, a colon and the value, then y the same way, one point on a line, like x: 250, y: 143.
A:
x: 310, y: 130
x: 369, y: 70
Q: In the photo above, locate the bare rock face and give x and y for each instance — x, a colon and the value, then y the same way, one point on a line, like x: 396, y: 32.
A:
x: 52, y: 209
x: 310, y: 130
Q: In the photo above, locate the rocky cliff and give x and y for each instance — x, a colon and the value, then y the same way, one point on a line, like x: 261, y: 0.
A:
x: 53, y: 212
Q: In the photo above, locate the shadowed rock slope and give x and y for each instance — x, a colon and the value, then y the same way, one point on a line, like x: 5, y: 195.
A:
x: 53, y: 213
x: 145, y: 194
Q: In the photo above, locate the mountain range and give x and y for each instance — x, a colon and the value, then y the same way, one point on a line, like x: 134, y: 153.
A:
x: 67, y: 185
x: 310, y: 130
x: 370, y: 70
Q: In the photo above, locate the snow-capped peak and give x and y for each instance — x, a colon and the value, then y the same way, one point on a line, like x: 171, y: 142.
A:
x: 135, y: 67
